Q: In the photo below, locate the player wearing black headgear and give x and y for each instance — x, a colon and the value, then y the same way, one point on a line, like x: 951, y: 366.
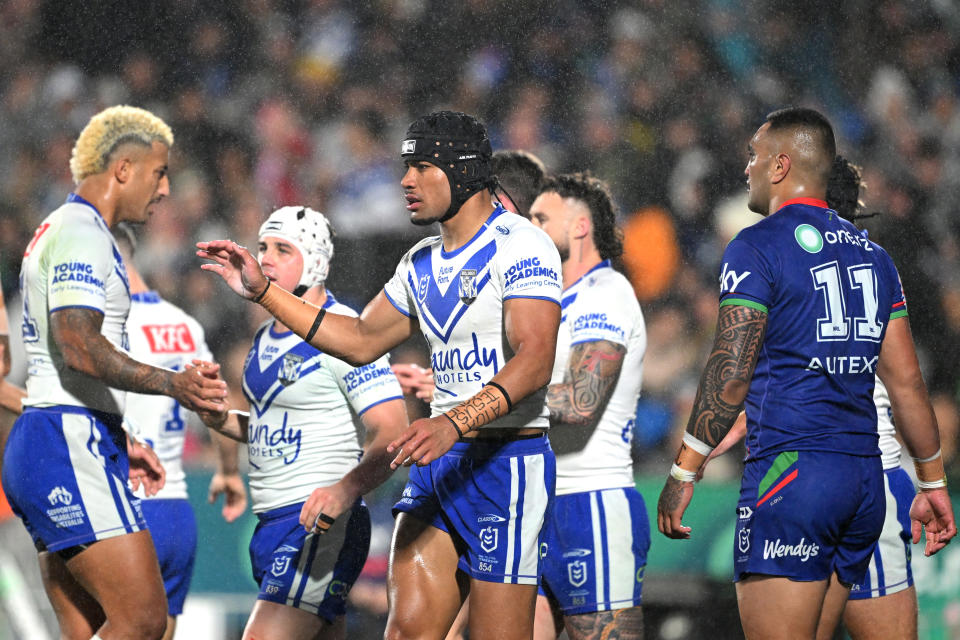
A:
x: 457, y: 144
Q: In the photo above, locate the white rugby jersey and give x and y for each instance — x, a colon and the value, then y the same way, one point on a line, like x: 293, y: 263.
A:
x: 458, y: 296
x: 162, y: 335
x: 889, y: 446
x: 602, y: 306
x: 302, y: 433
x: 72, y: 261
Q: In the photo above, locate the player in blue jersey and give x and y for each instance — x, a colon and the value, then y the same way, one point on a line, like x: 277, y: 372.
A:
x: 810, y: 312
x: 485, y: 293
x: 67, y: 459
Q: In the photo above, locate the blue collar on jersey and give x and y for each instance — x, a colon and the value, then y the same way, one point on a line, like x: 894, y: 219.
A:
x: 148, y: 297
x: 600, y: 265
x: 79, y: 200
x: 497, y: 211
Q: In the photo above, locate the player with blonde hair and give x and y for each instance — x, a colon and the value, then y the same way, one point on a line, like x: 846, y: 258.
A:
x: 68, y: 459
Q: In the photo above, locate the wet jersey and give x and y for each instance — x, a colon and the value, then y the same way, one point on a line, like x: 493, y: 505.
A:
x: 72, y: 261
x: 162, y: 335
x: 829, y: 294
x: 602, y: 306
x: 458, y: 297
x: 301, y: 432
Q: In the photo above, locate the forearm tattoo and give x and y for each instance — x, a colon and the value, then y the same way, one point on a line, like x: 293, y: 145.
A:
x: 483, y: 408
x: 622, y: 624
x: 77, y: 334
x: 592, y: 374
x: 726, y: 377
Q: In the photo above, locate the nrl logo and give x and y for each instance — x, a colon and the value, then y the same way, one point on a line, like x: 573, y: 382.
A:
x: 280, y: 565
x: 468, y: 285
x: 577, y: 573
x: 289, y: 369
x: 489, y: 538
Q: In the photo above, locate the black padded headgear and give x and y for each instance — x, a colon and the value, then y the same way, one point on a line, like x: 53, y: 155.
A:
x: 458, y: 145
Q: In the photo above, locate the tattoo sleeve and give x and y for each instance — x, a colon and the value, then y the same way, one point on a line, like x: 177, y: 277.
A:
x: 726, y: 378
x: 76, y: 332
x: 592, y: 374
x: 622, y: 624
x: 483, y: 408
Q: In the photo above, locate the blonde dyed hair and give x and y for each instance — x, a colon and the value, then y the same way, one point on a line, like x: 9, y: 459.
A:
x: 108, y: 130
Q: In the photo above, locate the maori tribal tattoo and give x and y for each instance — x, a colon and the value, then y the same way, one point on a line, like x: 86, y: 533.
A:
x: 483, y: 408
x: 592, y: 374
x: 622, y: 624
x: 726, y: 378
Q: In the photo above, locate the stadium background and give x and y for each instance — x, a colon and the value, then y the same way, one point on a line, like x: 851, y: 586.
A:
x: 277, y: 102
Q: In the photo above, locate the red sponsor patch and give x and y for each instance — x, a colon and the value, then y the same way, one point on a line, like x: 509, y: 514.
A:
x: 169, y: 338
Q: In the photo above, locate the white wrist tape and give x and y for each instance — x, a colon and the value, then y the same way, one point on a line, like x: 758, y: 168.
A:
x: 936, y: 484
x: 697, y: 445
x: 679, y: 473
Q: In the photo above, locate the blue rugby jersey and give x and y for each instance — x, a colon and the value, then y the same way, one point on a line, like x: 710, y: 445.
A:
x: 829, y: 293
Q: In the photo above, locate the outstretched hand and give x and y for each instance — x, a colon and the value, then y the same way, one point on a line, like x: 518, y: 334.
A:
x: 932, y: 511
x: 234, y: 494
x: 237, y: 266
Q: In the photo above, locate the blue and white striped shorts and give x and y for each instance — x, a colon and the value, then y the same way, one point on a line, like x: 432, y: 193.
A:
x: 65, y: 473
x: 492, y: 497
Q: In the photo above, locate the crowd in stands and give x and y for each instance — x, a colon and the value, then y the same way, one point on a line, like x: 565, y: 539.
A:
x: 277, y: 102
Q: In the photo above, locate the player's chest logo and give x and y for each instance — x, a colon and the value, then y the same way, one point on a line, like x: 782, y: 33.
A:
x: 468, y: 285
x: 422, y: 287
x: 289, y: 369
x: 577, y: 572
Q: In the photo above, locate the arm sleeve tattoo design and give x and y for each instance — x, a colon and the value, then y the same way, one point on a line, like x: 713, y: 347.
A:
x: 726, y: 377
x: 592, y: 374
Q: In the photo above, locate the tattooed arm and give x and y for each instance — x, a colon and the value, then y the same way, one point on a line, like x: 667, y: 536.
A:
x: 723, y: 388
x: 577, y: 403
x: 76, y: 332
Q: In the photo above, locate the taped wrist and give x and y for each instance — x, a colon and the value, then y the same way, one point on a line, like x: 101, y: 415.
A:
x: 689, y: 459
x: 930, y: 471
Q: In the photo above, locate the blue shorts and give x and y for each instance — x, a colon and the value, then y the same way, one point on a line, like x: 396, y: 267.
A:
x: 492, y: 497
x: 805, y: 515
x: 308, y: 571
x: 890, y: 570
x: 65, y: 473
x: 174, y: 531
x: 596, y: 551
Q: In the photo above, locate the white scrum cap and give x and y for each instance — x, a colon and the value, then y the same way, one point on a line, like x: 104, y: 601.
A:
x: 309, y: 231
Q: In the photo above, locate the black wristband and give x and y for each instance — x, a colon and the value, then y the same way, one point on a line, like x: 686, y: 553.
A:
x: 262, y: 293
x: 316, y: 325
x: 460, y: 433
x: 506, y: 396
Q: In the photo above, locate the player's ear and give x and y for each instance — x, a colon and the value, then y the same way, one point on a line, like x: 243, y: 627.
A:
x: 122, y: 168
x: 582, y: 227
x: 781, y: 167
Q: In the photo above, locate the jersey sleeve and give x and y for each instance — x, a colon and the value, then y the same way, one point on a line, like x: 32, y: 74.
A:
x: 80, y: 261
x: 598, y: 316
x: 366, y: 386
x: 397, y: 291
x: 747, y: 277
x: 898, y: 304
x: 528, y: 266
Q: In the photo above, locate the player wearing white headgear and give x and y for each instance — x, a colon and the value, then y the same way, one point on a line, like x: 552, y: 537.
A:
x: 301, y: 435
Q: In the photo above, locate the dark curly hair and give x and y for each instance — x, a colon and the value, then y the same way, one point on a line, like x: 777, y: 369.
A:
x: 595, y: 193
x: 843, y: 190
x: 520, y: 175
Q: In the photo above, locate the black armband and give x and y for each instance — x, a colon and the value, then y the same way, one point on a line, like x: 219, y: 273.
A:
x: 459, y: 432
x: 316, y: 325
x: 506, y: 396
x: 262, y: 293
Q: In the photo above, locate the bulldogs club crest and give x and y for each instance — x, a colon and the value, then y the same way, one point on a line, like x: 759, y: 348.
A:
x: 468, y: 285
x: 289, y: 369
x: 577, y: 573
x: 422, y: 287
